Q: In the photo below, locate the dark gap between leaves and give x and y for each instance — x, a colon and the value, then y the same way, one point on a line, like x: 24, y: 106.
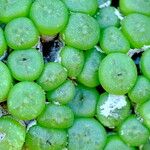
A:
x: 100, y: 89
x: 136, y: 58
x: 115, y: 3
x: 50, y: 49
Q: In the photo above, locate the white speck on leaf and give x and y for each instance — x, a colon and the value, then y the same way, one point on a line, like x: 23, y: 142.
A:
x: 122, y: 133
x: 58, y: 57
x: 140, y: 119
x: 106, y: 4
x: 131, y: 52
x: 99, y: 49
x: 56, y: 103
x: 118, y: 14
x: 2, y: 136
x: 113, y: 103
x: 32, y: 123
x: 65, y: 148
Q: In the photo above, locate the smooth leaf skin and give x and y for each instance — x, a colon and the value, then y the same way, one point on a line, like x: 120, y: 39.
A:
x: 5, y: 81
x: 115, y: 142
x: 144, y: 112
x: 26, y: 65
x: 84, y: 102
x: 106, y: 17
x: 11, y: 9
x: 136, y: 28
x: 26, y: 100
x: 55, y: 116
x: 82, y: 6
x: 52, y: 76
x: 73, y: 60
x: 135, y: 6
x: 82, y: 31
x: 145, y: 64
x: 63, y: 94
x: 141, y: 90
x: 112, y: 110
x: 130, y: 131
x: 112, y: 40
x: 117, y: 73
x: 41, y: 138
x: 3, y: 44
x: 21, y: 33
x: 12, y: 134
x: 49, y: 16
x: 89, y: 73
x: 86, y: 134
x: 146, y: 146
